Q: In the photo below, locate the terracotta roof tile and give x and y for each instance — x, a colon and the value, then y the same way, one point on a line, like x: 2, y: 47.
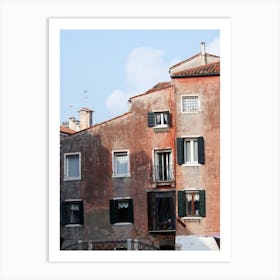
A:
x: 211, y: 69
x: 67, y: 130
x: 158, y: 86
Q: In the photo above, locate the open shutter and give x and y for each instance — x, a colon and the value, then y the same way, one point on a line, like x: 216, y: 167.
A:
x: 201, y: 158
x: 168, y: 118
x: 130, y: 211
x: 63, y: 213
x: 81, y: 213
x: 202, y: 203
x: 151, y: 119
x: 181, y: 203
x: 180, y: 150
x: 112, y: 211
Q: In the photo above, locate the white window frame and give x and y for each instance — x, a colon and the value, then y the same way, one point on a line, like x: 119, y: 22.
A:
x: 198, y: 104
x: 192, y: 162
x: 66, y: 170
x: 115, y: 175
x: 155, y: 163
x: 161, y: 125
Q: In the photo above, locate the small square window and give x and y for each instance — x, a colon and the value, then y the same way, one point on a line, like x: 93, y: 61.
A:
x: 121, y: 211
x: 72, y: 213
x: 190, y: 104
x: 72, y: 166
x: 159, y: 119
x: 120, y: 164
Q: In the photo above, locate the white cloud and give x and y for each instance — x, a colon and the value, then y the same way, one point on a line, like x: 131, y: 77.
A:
x: 144, y: 67
x: 116, y: 102
x: 213, y: 47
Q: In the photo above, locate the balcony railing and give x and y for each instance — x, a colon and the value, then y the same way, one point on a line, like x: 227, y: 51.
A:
x: 163, y: 173
x: 128, y: 244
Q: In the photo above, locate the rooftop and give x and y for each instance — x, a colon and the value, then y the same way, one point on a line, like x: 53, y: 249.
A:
x: 211, y: 69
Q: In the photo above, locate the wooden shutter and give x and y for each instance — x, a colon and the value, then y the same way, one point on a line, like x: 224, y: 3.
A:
x: 180, y: 150
x: 151, y: 119
x: 202, y: 203
x: 63, y: 213
x: 112, y: 212
x: 81, y: 213
x: 181, y: 203
x: 130, y: 211
x: 200, y: 142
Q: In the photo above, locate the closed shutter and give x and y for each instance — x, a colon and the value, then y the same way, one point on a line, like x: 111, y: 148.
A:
x: 168, y: 119
x: 151, y: 119
x: 112, y: 212
x: 181, y: 203
x: 201, y: 158
x: 202, y: 203
x: 130, y: 211
x: 180, y: 150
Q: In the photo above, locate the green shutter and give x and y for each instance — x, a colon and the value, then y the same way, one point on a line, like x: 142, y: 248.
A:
x: 181, y: 203
x: 130, y: 211
x: 202, y: 203
x: 63, y: 213
x: 151, y: 119
x: 112, y: 211
x: 81, y: 213
x: 180, y: 150
x: 201, y: 158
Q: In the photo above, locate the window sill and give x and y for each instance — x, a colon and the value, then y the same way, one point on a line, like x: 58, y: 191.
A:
x: 72, y: 179
x: 123, y: 224
x: 74, y: 225
x: 161, y: 128
x: 196, y: 112
x: 193, y: 164
x: 191, y: 218
x: 121, y: 176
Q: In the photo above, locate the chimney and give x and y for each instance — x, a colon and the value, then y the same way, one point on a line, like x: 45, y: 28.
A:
x: 203, y: 54
x: 73, y: 123
x: 85, y: 118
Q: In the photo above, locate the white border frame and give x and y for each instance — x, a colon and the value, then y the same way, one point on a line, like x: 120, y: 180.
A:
x: 222, y: 24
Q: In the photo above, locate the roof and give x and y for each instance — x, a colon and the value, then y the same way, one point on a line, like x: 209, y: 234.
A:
x: 157, y: 87
x: 211, y: 69
x: 191, y: 58
x: 67, y: 130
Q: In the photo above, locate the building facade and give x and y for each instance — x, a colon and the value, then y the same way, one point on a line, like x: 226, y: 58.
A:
x: 144, y: 178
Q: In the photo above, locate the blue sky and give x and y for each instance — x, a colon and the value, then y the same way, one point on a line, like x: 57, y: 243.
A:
x: 101, y: 69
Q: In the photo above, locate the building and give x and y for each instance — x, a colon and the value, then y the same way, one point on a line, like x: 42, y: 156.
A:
x: 150, y: 177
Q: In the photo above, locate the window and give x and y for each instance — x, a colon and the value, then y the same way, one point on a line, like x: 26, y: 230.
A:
x: 161, y: 211
x: 190, y: 151
x: 120, y: 164
x: 72, y: 212
x: 163, y: 166
x: 121, y: 211
x: 190, y: 104
x: 72, y: 166
x: 191, y: 203
x: 158, y: 119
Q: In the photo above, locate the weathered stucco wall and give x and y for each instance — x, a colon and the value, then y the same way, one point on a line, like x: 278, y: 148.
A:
x: 204, y: 123
x: 97, y: 185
